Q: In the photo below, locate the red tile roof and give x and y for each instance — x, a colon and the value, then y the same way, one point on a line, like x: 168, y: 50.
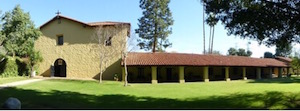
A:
x: 182, y: 59
x: 284, y: 59
x: 105, y: 23
x: 93, y: 24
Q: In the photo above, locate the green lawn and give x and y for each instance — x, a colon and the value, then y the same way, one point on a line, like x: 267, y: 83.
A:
x: 11, y: 79
x: 60, y: 94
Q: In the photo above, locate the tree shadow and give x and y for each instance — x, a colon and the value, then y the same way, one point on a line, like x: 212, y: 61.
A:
x: 111, y: 70
x: 277, y: 80
x: 34, y: 99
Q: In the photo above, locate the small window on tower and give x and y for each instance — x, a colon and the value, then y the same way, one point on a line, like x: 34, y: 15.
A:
x: 60, y: 40
x: 108, y: 41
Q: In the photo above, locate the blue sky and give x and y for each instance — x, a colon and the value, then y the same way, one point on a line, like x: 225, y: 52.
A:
x: 187, y: 36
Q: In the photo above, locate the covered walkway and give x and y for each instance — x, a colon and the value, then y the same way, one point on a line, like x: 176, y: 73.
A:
x: 176, y: 67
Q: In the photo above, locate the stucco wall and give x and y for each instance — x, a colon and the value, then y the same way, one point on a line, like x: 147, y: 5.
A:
x: 79, y: 50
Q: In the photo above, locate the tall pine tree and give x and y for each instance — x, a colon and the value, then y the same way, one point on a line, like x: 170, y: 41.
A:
x: 19, y: 32
x: 154, y: 26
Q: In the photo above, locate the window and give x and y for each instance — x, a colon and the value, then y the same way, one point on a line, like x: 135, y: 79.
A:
x: 108, y: 42
x: 60, y: 40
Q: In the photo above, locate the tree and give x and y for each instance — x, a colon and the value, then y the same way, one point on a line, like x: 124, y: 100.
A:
x: 268, y: 55
x: 154, y: 26
x: 203, y: 30
x: 1, y: 35
x: 211, y: 21
x: 19, y: 32
x: 105, y: 35
x: 35, y: 57
x: 232, y: 51
x: 248, y: 53
x: 129, y: 46
x: 239, y: 52
x: 295, y: 64
x: 216, y: 52
x: 268, y: 21
x: 283, y: 50
x: 2, y: 51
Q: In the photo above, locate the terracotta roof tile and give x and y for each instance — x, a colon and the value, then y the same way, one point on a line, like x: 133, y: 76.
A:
x: 182, y: 59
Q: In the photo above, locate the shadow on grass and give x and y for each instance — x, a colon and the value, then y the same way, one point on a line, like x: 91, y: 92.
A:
x: 55, y: 99
x: 278, y: 80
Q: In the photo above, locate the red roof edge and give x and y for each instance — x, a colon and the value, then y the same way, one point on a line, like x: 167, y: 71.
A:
x: 187, y: 59
x: 60, y: 16
x: 284, y: 59
x: 87, y: 24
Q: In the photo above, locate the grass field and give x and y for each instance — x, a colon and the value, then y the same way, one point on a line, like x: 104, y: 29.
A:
x: 11, y: 79
x: 74, y: 94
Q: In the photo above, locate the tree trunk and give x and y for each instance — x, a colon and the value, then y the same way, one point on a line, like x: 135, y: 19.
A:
x: 212, y: 39
x: 154, y: 45
x: 209, y: 41
x: 126, y: 73
x: 203, y: 32
x: 155, y: 39
x: 14, y: 54
x: 100, y: 75
x: 32, y: 73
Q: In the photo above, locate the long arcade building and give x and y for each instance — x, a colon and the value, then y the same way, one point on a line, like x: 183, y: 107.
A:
x: 179, y: 67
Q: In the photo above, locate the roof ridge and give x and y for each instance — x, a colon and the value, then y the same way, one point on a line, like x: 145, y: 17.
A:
x: 188, y: 54
x: 84, y: 23
x: 188, y: 59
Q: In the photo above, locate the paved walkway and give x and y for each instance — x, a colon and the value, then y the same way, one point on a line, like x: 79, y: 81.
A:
x: 13, y: 84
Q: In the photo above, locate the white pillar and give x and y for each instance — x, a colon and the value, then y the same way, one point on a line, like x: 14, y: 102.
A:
x: 258, y: 73
x: 227, y: 74
x: 154, y: 74
x: 244, y: 73
x: 205, y: 74
x: 181, y: 74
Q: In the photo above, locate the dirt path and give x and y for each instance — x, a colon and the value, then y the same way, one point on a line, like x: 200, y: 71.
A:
x: 23, y: 82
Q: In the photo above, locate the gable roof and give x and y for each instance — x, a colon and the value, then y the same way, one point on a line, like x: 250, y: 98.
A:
x: 92, y: 24
x: 182, y: 59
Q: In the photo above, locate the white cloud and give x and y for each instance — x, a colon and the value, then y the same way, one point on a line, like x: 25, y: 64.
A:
x: 259, y: 50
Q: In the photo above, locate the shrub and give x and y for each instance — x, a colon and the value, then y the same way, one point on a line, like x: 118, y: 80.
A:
x: 35, y: 57
x: 9, y: 67
x: 23, y: 67
x: 12, y: 67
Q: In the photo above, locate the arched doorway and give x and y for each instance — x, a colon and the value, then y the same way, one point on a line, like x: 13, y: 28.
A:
x: 60, y: 68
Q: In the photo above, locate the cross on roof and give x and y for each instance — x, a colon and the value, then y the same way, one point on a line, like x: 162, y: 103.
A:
x: 58, y: 12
